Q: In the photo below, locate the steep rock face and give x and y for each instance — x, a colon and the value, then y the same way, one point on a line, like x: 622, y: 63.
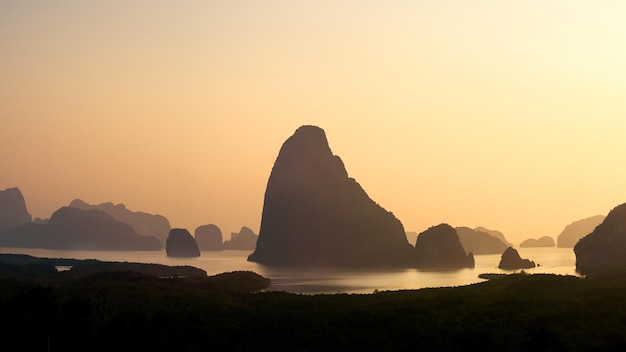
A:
x: 545, y: 241
x: 479, y: 242
x: 73, y: 228
x: 313, y: 213
x: 143, y: 223
x: 209, y: 237
x: 573, y: 232
x: 245, y: 239
x: 604, y: 249
x: 511, y: 260
x: 439, y: 246
x: 13, y: 212
x: 180, y: 243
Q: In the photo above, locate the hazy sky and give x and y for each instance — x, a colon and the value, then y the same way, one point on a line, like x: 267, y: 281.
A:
x: 504, y: 114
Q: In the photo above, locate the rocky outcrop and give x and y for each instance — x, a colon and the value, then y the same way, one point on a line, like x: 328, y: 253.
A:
x: 313, y: 213
x: 440, y: 247
x: 511, y: 260
x: 13, y: 212
x: 478, y: 242
x: 604, y: 249
x: 495, y: 233
x: 180, y: 243
x: 76, y: 229
x: 573, y: 232
x: 245, y: 239
x: 545, y: 241
x: 143, y: 223
x: 209, y: 237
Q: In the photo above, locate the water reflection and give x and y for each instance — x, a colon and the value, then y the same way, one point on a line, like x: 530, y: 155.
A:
x: 315, y: 280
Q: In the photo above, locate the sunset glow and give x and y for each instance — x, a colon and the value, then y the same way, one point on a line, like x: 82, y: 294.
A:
x: 503, y: 114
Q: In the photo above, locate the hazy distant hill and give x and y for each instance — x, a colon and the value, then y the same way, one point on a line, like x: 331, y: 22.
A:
x: 77, y: 229
x: 143, y: 223
x: 479, y: 242
x: 545, y: 241
x: 13, y: 210
x: 573, y: 232
x: 245, y: 239
x: 313, y: 213
x: 494, y: 233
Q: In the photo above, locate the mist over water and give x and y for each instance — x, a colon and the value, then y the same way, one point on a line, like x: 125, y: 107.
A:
x: 315, y: 280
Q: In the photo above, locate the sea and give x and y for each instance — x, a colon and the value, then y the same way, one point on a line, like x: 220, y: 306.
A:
x: 324, y: 280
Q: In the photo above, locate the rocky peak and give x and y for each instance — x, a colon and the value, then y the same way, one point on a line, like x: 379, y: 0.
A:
x: 13, y: 210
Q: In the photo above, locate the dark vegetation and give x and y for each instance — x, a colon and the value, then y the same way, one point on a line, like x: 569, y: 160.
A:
x: 125, y: 310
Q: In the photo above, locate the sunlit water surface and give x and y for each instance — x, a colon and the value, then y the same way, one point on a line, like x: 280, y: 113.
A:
x: 328, y: 280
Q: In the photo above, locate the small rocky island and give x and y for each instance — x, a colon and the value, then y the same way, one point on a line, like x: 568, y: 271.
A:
x: 511, y: 260
x: 440, y: 247
x: 209, y: 237
x: 180, y: 243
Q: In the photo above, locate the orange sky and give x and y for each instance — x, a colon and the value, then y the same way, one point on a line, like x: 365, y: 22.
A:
x: 504, y: 114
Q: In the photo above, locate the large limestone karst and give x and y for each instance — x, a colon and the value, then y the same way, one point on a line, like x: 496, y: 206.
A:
x: 603, y: 251
x: 209, y: 237
x: 315, y: 214
x: 13, y: 210
x: 143, y: 223
x: 439, y: 247
x: 77, y: 229
x: 511, y: 260
x: 573, y: 232
x: 479, y: 242
x: 180, y: 243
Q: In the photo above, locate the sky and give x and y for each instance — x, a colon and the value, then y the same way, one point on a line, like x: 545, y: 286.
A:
x: 503, y: 114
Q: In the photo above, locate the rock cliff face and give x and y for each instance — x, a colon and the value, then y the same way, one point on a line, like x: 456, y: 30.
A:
x: 511, y: 260
x: 440, y: 247
x: 245, y: 239
x: 478, y: 242
x: 209, y: 237
x: 604, y: 249
x: 545, y: 241
x: 143, y: 223
x: 313, y: 213
x: 180, y: 243
x: 13, y: 210
x: 573, y: 232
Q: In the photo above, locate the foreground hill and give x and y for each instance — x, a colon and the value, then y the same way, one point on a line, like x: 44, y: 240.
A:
x: 114, y: 311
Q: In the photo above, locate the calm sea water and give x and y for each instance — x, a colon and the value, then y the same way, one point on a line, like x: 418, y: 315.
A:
x: 328, y: 280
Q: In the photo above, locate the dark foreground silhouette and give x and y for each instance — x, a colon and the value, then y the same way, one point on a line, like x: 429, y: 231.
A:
x: 126, y: 311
